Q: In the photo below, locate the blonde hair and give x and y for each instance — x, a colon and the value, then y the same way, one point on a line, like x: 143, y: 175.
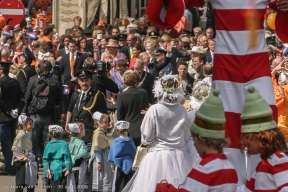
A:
x: 103, y: 116
x: 165, y: 38
x: 50, y: 59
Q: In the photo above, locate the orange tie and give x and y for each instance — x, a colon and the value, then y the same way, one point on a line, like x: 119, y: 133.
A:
x: 72, y: 64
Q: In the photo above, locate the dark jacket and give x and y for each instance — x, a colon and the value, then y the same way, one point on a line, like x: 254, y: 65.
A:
x: 83, y: 115
x: 11, y: 97
x: 129, y: 105
x: 155, y: 68
x: 102, y: 84
x: 56, y: 95
x: 208, y: 56
x: 147, y: 82
x: 24, y: 75
x: 175, y: 54
x: 126, y: 51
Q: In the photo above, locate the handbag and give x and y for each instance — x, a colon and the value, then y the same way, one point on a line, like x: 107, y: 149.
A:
x: 140, y: 154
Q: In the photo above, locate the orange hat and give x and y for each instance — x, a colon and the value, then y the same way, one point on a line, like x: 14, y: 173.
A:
x: 101, y: 23
x: 2, y: 20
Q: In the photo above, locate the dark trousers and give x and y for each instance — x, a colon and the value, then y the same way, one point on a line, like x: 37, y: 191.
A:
x: 6, y: 143
x: 122, y: 179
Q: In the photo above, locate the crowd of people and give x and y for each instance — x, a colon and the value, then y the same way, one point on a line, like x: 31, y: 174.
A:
x: 119, y: 88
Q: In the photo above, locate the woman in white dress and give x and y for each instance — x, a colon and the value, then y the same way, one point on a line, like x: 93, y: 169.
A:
x: 165, y: 130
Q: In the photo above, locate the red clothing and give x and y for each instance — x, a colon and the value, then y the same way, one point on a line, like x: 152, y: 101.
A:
x: 131, y: 64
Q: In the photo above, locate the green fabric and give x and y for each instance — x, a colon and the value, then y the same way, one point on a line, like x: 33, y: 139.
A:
x: 57, y: 157
x: 213, y: 134
x: 256, y: 107
x: 77, y: 149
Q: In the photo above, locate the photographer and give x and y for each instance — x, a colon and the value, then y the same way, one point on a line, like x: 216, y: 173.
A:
x: 100, y: 79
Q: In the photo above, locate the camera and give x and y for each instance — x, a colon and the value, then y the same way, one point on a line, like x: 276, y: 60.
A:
x: 102, y: 68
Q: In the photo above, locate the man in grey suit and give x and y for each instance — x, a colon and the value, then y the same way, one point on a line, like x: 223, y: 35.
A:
x: 209, y: 54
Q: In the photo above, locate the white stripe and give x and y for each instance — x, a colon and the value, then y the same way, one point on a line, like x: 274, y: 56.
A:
x: 163, y: 14
x: 281, y: 178
x: 194, y: 185
x: 274, y: 159
x: 238, y: 4
x: 234, y: 94
x: 238, y: 43
x: 12, y: 11
x: 264, y: 181
x: 214, y: 165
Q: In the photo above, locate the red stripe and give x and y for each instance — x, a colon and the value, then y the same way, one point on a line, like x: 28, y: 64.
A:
x: 233, y: 126
x: 278, y: 154
x: 282, y: 186
x: 241, y: 68
x: 223, y: 176
x: 264, y: 166
x: 250, y: 184
x: 235, y: 20
x: 279, y: 168
x: 210, y: 157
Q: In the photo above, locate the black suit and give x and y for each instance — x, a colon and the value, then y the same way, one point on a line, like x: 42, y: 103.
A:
x: 129, y: 105
x: 80, y: 114
x: 175, y: 54
x: 155, y: 68
x: 10, y: 99
x: 208, y: 56
x: 66, y: 71
x: 126, y: 51
x: 61, y: 53
x: 146, y: 83
x: 90, y: 43
x: 24, y: 75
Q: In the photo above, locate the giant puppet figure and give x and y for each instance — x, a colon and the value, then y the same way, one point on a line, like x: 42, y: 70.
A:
x: 240, y: 58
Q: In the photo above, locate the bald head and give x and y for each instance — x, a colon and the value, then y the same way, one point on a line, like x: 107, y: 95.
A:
x: 276, y: 62
x: 207, y: 70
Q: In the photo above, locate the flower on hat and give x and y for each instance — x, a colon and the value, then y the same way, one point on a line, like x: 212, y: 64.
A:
x: 55, y: 129
x: 173, y: 94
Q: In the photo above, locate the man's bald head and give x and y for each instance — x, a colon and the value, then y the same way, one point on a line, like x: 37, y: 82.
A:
x: 276, y: 62
x: 207, y: 69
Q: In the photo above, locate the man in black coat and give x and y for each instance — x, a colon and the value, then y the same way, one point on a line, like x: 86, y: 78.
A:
x: 27, y: 71
x: 123, y: 48
x: 41, y: 120
x: 88, y: 35
x: 84, y: 103
x: 64, y: 50
x: 130, y: 104
x: 10, y: 100
x: 68, y: 72
x: 146, y: 79
x: 163, y: 58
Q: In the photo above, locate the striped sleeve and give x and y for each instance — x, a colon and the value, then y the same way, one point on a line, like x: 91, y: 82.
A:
x: 280, y: 171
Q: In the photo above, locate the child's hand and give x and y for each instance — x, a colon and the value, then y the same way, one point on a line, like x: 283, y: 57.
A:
x: 49, y: 176
x: 25, y: 159
x: 66, y: 173
x: 99, y: 166
x: 113, y: 169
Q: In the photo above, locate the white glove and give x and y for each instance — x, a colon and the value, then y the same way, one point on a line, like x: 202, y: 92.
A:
x: 14, y: 113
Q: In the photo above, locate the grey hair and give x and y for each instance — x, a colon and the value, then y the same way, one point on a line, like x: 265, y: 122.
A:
x: 5, y: 51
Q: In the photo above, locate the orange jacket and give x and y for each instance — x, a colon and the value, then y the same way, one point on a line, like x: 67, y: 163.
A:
x: 282, y: 105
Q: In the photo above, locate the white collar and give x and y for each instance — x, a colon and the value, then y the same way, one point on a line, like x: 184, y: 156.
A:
x: 75, y: 53
x: 85, y: 92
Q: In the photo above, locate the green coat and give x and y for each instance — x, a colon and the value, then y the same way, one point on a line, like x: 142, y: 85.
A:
x: 57, y: 156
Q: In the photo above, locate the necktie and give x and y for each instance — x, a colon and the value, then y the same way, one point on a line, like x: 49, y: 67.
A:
x: 131, y: 53
x: 80, y: 100
x: 95, y: 56
x: 72, y: 64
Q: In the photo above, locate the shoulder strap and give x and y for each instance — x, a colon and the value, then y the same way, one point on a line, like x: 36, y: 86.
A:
x: 23, y: 73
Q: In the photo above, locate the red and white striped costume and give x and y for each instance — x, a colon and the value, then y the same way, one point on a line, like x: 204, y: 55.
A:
x: 213, y: 173
x: 237, y: 66
x: 271, y: 175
